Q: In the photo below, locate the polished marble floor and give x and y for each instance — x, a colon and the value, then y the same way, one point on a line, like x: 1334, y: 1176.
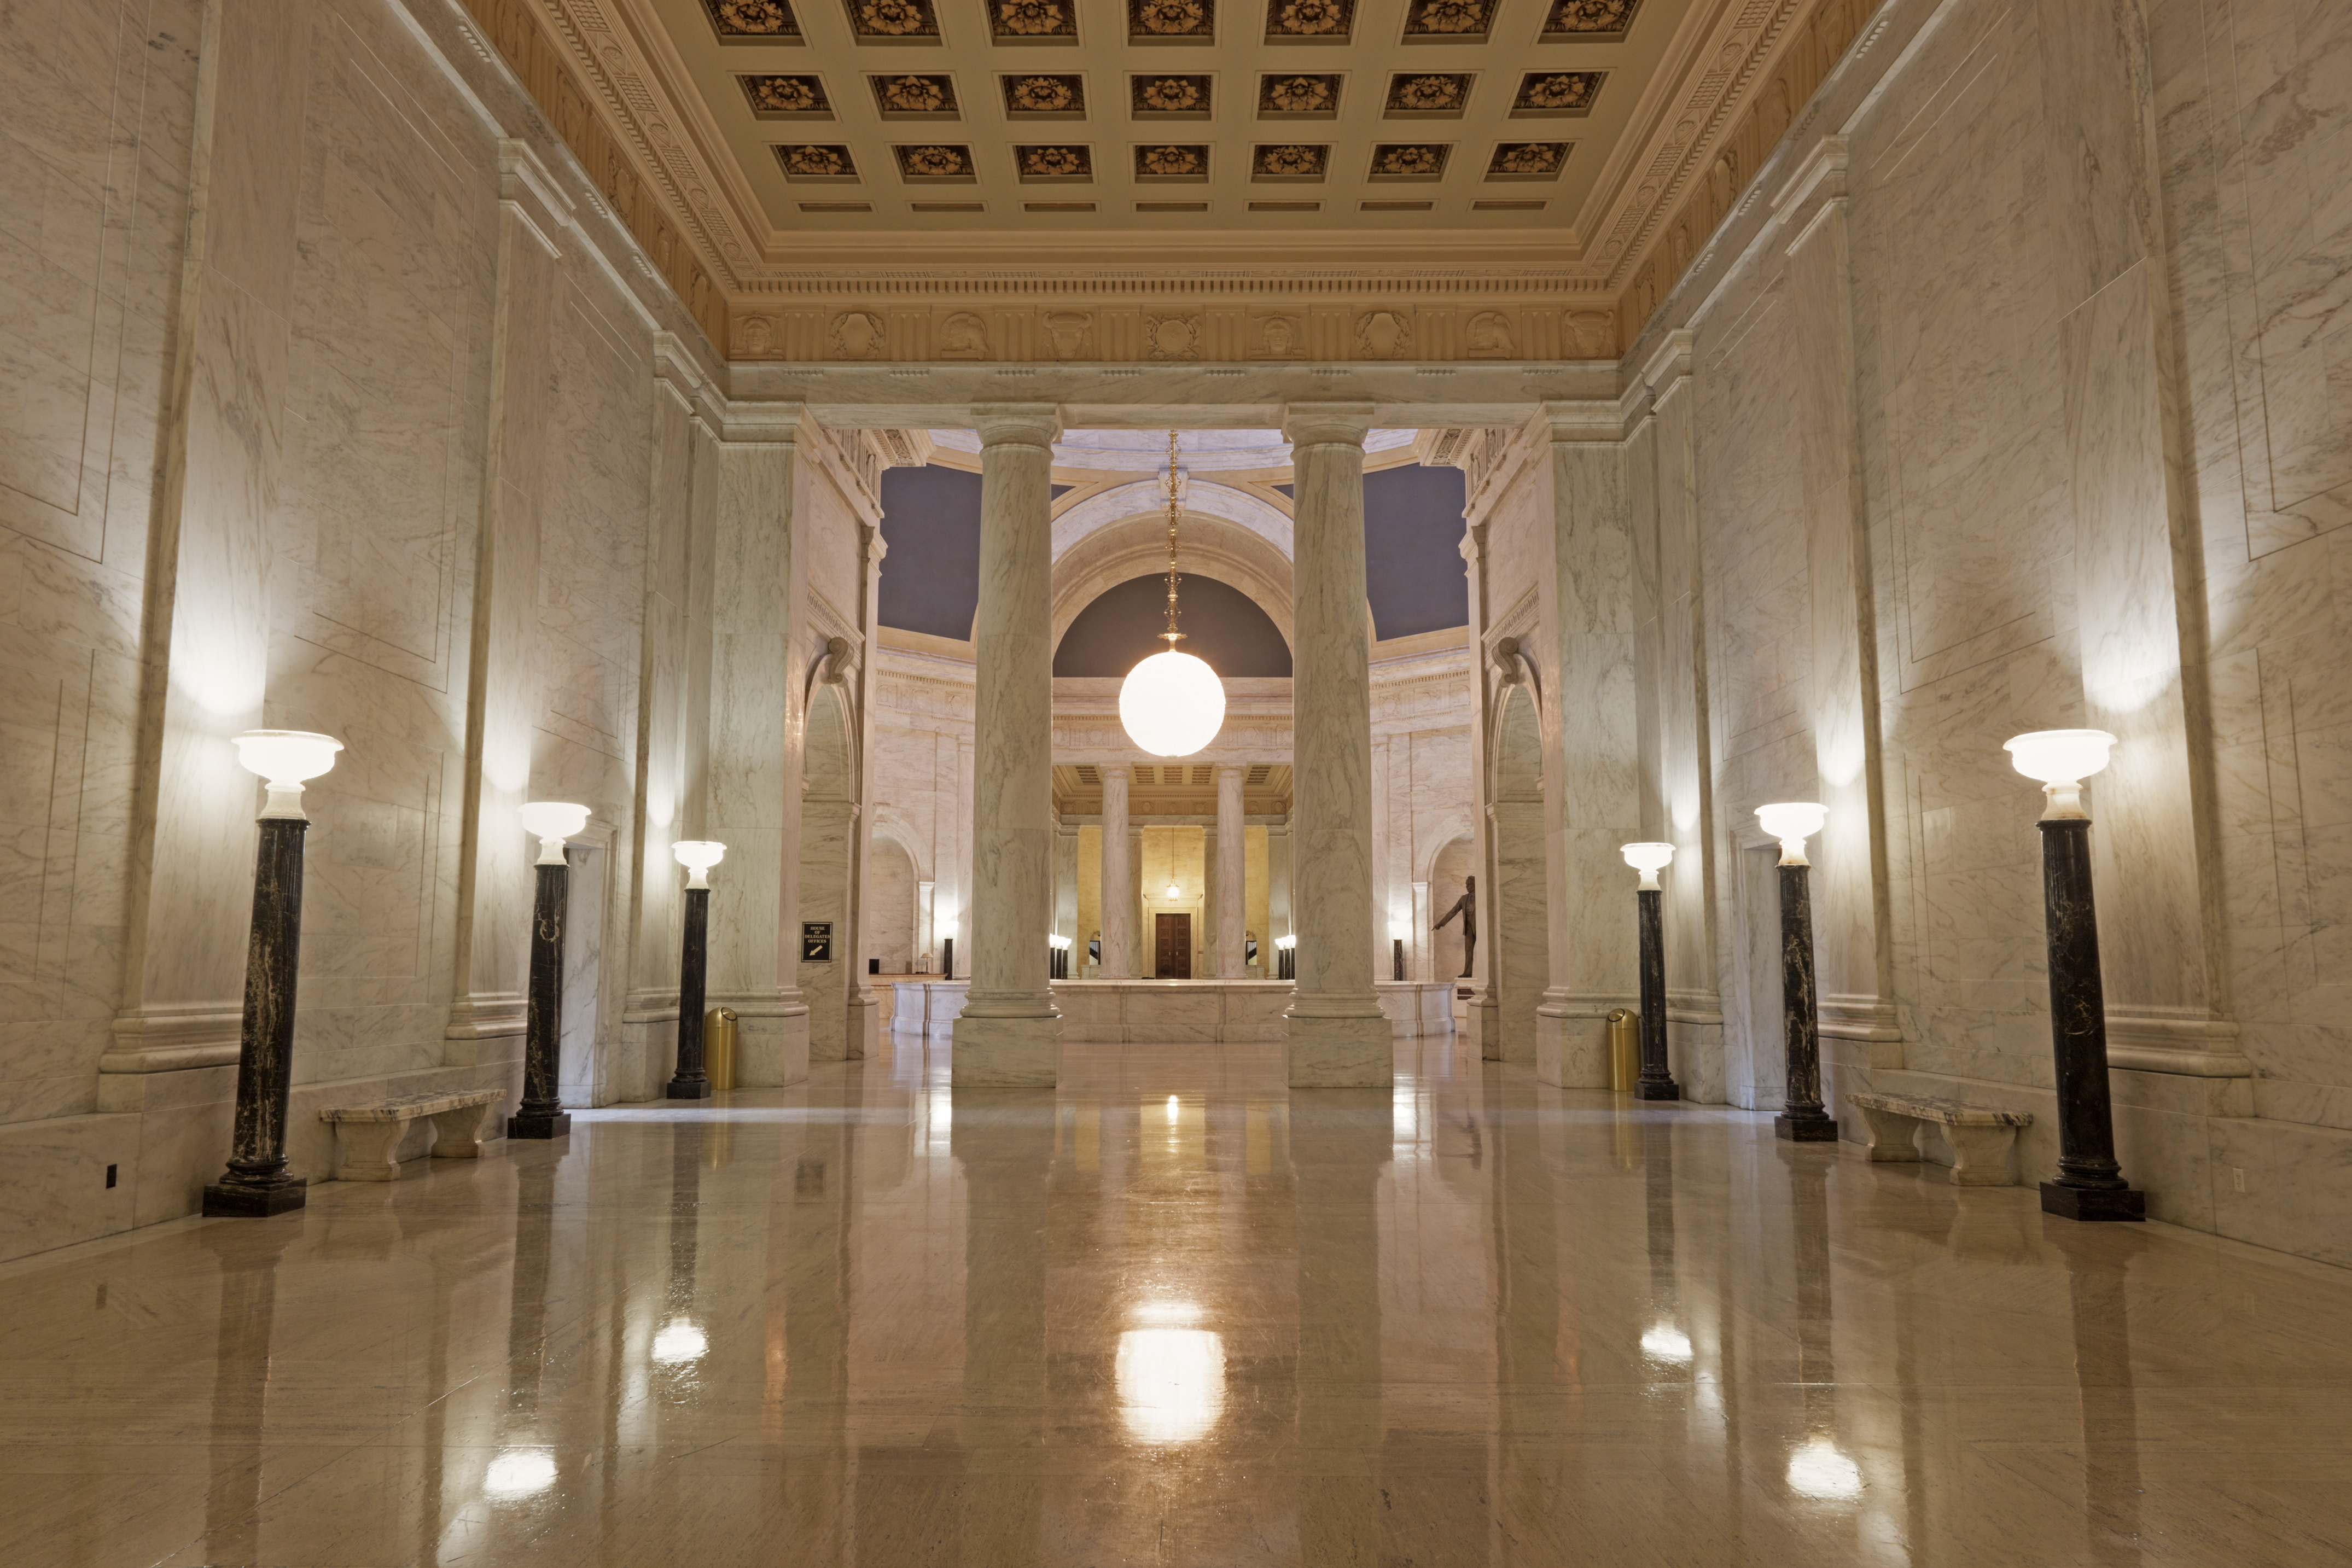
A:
x: 1169, y: 1314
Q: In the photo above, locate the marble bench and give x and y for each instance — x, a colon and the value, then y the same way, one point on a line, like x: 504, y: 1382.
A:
x: 1981, y: 1139
x: 367, y: 1135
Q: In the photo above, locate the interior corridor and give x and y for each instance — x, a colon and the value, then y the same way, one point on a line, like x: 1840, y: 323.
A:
x: 1165, y: 1315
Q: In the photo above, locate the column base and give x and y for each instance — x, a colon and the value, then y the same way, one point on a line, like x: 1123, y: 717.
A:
x: 688, y: 1089
x: 225, y: 1199
x: 526, y: 1124
x: 1340, y: 1053
x: 1005, y: 1053
x: 1816, y: 1128
x: 2093, y: 1202
x: 1656, y: 1089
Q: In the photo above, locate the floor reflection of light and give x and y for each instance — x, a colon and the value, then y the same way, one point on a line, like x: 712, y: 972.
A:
x: 1172, y: 1110
x: 680, y: 1340
x: 1818, y: 1470
x: 518, y: 1472
x: 1170, y: 1312
x: 1172, y: 1382
x: 1666, y: 1342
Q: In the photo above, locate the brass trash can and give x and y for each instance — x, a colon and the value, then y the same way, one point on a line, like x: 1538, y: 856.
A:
x: 719, y: 1047
x: 1624, y: 1049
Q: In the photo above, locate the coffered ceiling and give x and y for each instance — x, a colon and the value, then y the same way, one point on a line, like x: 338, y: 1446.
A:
x: 916, y: 178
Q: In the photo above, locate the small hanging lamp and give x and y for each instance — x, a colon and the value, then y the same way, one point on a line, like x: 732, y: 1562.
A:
x: 1173, y: 704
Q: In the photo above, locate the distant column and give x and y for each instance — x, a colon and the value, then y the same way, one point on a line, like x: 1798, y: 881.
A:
x: 1232, y: 905
x: 1118, y: 876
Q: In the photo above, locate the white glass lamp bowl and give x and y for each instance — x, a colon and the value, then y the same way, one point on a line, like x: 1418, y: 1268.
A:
x: 1285, y: 944
x: 698, y: 856
x: 1174, y: 893
x: 1399, y: 930
x: 1649, y: 859
x: 283, y: 759
x: 552, y: 823
x: 2062, y: 759
x: 1792, y: 822
x: 1171, y: 705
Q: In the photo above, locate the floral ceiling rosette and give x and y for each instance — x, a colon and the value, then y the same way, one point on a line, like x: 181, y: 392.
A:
x: 1428, y: 94
x: 1298, y: 95
x: 901, y: 20
x: 1558, y: 92
x: 786, y: 95
x: 1172, y: 94
x: 1289, y: 161
x: 754, y: 18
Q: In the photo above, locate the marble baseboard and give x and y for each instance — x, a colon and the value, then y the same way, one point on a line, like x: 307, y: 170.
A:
x: 1005, y: 1053
x: 1172, y: 1012
x: 1340, y: 1053
x: 1571, y: 1049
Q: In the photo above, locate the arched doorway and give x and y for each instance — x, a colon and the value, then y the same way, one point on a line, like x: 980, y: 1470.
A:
x: 1521, y: 964
x: 889, y: 905
x: 1449, y: 875
x: 827, y: 809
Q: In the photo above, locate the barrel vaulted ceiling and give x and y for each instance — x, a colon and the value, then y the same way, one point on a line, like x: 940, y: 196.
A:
x: 1009, y: 180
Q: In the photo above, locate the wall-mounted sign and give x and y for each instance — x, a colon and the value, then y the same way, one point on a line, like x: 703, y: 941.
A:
x: 816, y: 941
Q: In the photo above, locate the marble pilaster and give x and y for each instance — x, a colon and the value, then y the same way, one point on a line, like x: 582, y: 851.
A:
x: 1277, y: 888
x: 1481, y: 1025
x: 864, y: 1008
x: 1118, y: 876
x: 1592, y: 749
x: 1232, y: 881
x: 1339, y: 1035
x: 1009, y: 1031
x: 1066, y: 890
x: 1852, y: 944
x: 753, y: 803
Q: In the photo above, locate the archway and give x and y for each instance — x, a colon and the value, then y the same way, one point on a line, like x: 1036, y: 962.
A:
x: 889, y: 905
x: 1520, y: 962
x: 1449, y: 874
x: 1120, y: 628
x: 827, y: 809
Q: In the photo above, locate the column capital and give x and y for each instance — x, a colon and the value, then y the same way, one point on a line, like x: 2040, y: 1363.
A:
x: 1327, y: 423
x: 1017, y: 424
x: 1232, y: 770
x: 1584, y: 423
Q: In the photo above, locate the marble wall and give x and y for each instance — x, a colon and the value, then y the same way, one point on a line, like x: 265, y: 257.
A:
x: 340, y: 403
x: 2008, y: 403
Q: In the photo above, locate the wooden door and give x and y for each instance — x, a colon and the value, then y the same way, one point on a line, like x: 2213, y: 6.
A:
x: 1172, y: 947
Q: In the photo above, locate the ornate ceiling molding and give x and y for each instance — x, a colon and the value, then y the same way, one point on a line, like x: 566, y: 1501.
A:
x: 1564, y: 293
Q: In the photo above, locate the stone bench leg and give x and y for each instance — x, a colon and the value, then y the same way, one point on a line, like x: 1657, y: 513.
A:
x: 1891, y: 1136
x: 457, y: 1134
x: 367, y: 1151
x: 1981, y: 1155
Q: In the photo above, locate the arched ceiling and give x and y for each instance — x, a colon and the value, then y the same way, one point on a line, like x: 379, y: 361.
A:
x: 1222, y: 626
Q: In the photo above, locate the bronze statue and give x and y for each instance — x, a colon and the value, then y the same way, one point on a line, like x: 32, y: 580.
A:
x: 1465, y: 906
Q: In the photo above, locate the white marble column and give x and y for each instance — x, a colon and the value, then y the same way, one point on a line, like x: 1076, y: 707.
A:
x: 1338, y: 1037
x: 1278, y: 891
x: 1065, y: 891
x: 1009, y: 1033
x: 864, y: 1008
x: 1592, y: 746
x: 926, y: 950
x: 1232, y: 857
x: 1118, y: 876
x: 1482, y: 1024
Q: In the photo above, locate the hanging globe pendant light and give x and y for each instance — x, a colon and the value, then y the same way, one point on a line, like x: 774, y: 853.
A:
x: 1173, y: 704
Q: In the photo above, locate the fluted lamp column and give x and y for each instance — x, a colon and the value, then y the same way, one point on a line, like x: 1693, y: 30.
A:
x: 541, y: 1113
x: 1802, y: 1119
x: 2090, y: 1184
x: 257, y: 1183
x: 692, y: 1081
x: 1656, y: 1081
x: 1009, y: 1033
x: 1336, y: 1034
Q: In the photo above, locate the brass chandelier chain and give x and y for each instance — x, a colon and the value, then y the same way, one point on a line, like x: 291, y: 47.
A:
x: 1171, y: 636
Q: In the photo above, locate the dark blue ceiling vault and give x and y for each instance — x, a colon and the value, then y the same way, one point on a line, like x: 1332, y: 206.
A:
x: 1222, y: 625
x: 1414, y: 571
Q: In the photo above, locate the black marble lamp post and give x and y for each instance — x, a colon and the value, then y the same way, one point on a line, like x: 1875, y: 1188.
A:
x: 947, y: 960
x: 541, y: 1113
x: 698, y: 856
x: 1285, y: 957
x: 1802, y: 1119
x: 1396, y: 950
x: 1057, y: 957
x: 1655, y: 1081
x: 2090, y: 1184
x: 257, y: 1182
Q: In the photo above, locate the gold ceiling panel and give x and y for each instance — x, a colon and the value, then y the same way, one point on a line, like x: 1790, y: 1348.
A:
x: 1049, y: 120
x: 1440, y: 178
